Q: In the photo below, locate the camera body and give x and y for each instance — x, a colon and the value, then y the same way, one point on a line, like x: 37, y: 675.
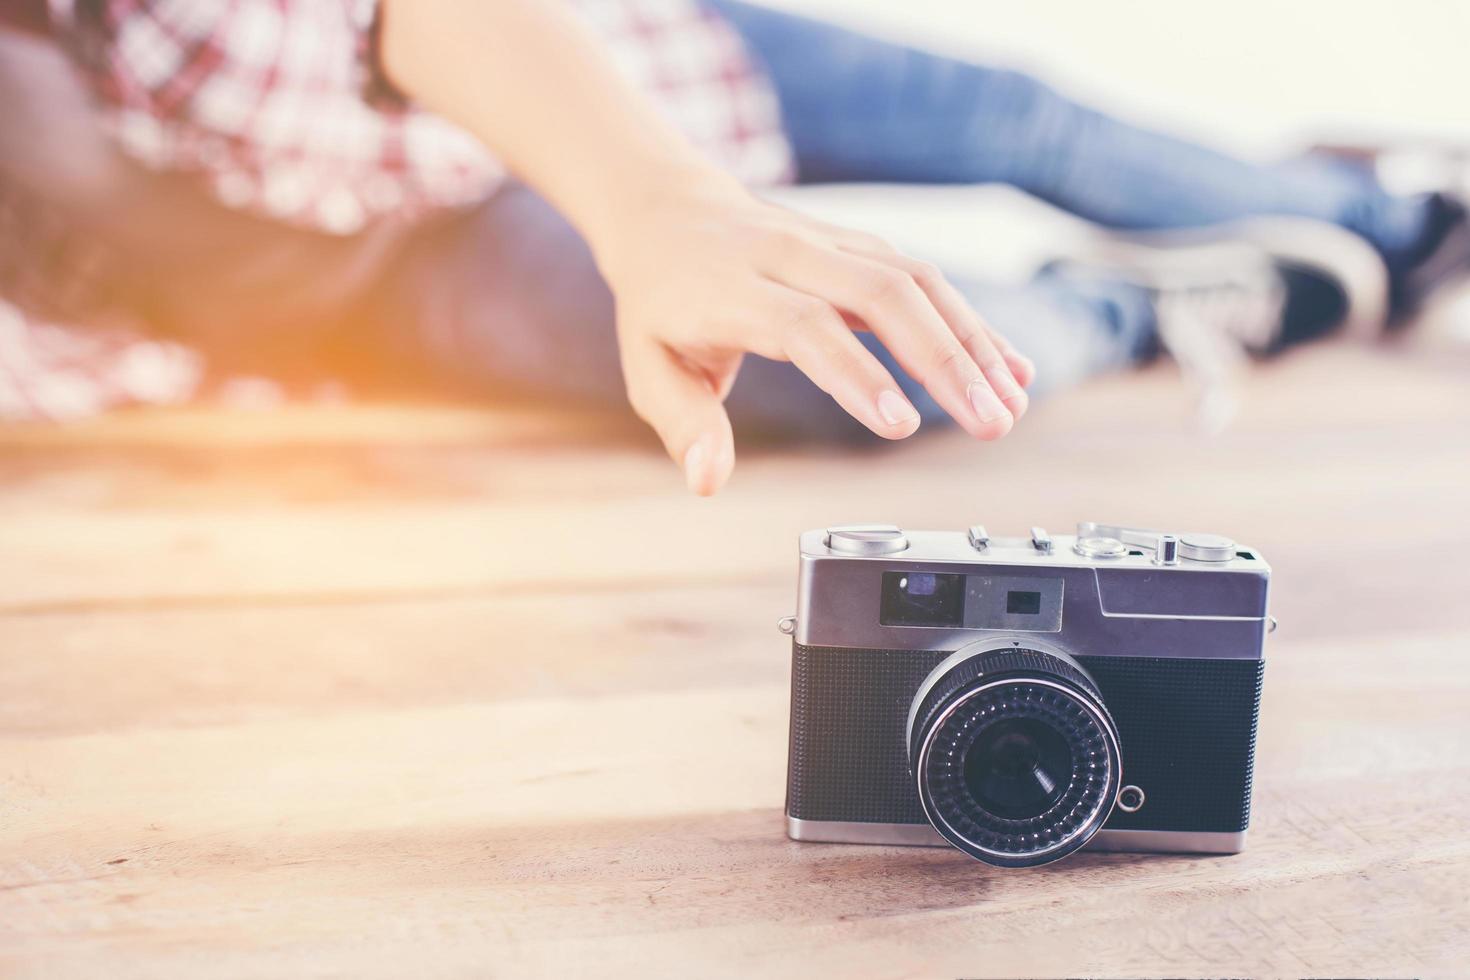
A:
x: 1021, y: 698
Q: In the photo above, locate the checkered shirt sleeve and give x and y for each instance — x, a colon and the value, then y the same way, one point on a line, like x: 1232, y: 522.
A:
x: 277, y: 104
x: 278, y: 108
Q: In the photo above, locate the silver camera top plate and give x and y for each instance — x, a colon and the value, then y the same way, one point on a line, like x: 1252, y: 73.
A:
x: 1106, y: 590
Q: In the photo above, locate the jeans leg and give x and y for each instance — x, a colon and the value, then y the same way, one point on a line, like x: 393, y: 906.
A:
x: 857, y: 108
x: 506, y: 299
x: 1072, y: 329
x: 501, y: 300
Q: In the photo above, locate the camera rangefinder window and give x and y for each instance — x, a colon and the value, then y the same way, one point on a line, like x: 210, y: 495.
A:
x: 1023, y: 603
x: 922, y: 599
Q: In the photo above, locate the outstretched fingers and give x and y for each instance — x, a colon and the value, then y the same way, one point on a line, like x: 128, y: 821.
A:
x: 811, y: 334
x: 684, y: 407
x: 890, y: 302
x: 1007, y: 370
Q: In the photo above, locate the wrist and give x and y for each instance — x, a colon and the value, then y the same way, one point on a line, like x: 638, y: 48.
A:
x: 642, y: 193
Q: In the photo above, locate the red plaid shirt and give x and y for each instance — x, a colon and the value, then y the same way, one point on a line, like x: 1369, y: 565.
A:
x: 277, y: 107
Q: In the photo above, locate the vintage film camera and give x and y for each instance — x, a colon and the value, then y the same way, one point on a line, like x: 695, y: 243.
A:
x: 1020, y: 698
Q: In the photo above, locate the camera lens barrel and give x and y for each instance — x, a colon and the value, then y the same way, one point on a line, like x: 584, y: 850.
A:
x: 1014, y: 754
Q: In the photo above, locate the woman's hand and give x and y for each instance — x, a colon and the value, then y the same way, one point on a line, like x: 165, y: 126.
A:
x: 703, y: 271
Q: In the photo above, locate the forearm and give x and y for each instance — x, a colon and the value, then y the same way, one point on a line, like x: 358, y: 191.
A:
x: 535, y: 85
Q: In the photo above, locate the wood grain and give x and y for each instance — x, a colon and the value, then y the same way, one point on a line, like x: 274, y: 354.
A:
x: 399, y: 692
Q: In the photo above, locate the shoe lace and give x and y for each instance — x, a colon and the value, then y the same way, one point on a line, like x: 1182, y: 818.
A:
x: 1209, y: 330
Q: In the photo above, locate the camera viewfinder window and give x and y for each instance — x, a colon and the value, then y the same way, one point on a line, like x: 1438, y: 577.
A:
x: 1023, y: 603
x: 922, y: 599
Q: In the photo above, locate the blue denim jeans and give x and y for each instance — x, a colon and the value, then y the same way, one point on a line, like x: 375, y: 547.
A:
x: 860, y: 109
x: 508, y: 296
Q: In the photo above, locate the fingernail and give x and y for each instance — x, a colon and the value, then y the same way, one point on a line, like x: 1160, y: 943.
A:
x: 1018, y: 401
x: 1003, y: 383
x: 694, y: 460
x: 896, y: 409
x: 986, y: 405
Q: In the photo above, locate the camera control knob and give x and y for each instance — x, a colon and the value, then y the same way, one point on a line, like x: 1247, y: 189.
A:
x: 867, y: 539
x: 1100, y: 547
x: 1206, y: 547
x: 1193, y: 545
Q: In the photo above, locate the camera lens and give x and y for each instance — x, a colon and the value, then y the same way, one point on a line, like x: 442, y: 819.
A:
x: 1018, y: 768
x: 1015, y: 757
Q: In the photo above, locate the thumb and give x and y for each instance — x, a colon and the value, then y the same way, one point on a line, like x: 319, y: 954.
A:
x: 686, y: 412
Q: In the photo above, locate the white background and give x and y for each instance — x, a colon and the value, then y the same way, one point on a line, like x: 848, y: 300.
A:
x: 1254, y: 76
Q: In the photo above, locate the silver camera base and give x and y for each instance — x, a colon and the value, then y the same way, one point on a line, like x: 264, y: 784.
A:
x: 923, y: 835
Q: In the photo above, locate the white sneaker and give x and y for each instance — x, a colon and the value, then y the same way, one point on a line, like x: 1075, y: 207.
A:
x: 1229, y: 292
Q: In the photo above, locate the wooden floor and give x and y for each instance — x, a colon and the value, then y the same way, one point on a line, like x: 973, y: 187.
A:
x: 392, y: 693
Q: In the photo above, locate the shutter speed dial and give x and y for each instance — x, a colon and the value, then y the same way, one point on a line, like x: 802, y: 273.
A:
x: 1206, y: 547
x: 867, y: 539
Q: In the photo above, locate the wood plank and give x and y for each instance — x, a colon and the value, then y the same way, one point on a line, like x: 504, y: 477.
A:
x: 335, y: 548
x: 210, y: 428
x: 67, y: 673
